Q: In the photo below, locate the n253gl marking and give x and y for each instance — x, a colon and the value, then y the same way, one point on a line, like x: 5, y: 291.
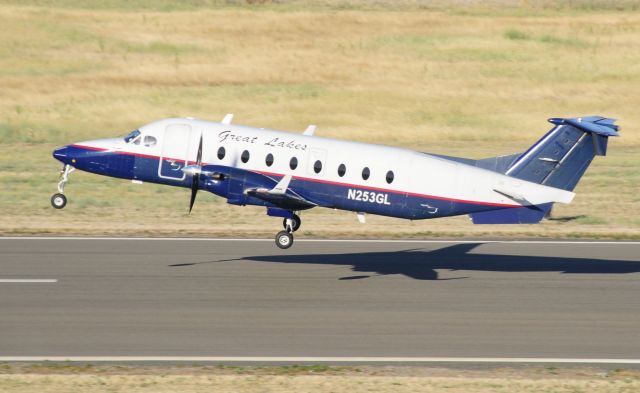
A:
x: 368, y: 196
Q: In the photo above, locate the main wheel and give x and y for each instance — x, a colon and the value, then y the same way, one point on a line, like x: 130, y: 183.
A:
x: 284, y: 240
x: 296, y: 223
x: 58, y: 201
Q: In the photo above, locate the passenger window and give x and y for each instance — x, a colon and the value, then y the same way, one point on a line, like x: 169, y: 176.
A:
x: 269, y: 159
x: 221, y: 153
x: 293, y: 164
x: 245, y: 156
x: 390, y: 177
x: 317, y: 166
x: 150, y: 141
x: 342, y: 170
x: 366, y: 173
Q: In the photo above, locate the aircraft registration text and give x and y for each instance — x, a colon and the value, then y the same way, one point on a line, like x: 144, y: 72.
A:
x: 368, y: 196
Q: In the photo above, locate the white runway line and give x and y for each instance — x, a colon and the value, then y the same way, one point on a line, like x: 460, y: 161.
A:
x: 27, y: 280
x: 286, y: 359
x: 320, y: 240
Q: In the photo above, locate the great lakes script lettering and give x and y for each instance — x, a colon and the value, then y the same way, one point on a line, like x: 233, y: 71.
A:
x: 274, y: 142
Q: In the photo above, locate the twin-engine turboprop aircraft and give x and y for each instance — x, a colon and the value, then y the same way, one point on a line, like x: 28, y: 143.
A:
x: 288, y: 173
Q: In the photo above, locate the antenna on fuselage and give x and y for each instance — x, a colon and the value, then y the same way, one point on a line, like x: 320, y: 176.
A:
x: 227, y: 119
x: 310, y: 130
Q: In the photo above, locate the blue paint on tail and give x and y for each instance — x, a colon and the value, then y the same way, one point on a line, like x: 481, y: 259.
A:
x: 557, y: 160
x: 563, y: 155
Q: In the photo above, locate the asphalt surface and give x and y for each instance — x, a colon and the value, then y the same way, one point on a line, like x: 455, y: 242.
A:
x: 248, y: 298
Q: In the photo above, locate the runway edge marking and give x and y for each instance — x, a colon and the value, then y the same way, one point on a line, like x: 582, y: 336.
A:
x: 316, y: 240
x: 28, y: 280
x: 284, y: 359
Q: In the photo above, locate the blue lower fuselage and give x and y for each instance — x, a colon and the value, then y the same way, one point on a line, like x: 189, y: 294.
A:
x: 329, y: 194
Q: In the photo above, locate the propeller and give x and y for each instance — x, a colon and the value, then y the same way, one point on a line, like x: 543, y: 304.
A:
x: 195, y: 181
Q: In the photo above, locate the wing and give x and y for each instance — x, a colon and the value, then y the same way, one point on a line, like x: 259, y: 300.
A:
x: 242, y: 183
x: 281, y: 196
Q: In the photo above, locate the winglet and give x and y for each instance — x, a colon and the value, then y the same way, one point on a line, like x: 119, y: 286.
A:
x: 227, y: 119
x: 310, y: 130
x: 281, y: 187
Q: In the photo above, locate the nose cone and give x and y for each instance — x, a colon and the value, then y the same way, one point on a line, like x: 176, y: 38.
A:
x: 62, y: 154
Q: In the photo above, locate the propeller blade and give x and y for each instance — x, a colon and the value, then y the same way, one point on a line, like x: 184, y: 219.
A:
x: 194, y: 190
x: 199, y: 156
x: 195, y: 181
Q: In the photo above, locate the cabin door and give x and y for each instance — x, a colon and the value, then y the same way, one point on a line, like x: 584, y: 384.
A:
x: 175, y: 148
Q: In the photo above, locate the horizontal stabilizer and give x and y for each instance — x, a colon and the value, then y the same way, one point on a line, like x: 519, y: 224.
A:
x: 531, y: 194
x: 595, y: 124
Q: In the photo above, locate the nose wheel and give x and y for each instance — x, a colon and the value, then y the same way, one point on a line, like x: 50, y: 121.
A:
x: 58, y: 200
x: 284, y: 239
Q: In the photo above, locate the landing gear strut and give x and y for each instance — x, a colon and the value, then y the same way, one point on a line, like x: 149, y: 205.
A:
x: 58, y: 200
x: 284, y: 239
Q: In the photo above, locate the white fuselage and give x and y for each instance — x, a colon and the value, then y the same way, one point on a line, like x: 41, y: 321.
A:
x: 414, y: 174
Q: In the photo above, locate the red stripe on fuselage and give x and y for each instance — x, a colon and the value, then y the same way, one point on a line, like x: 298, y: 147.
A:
x: 312, y: 179
x: 390, y: 190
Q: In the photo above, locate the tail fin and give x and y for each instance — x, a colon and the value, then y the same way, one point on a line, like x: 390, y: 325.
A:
x: 562, y: 156
x: 557, y: 160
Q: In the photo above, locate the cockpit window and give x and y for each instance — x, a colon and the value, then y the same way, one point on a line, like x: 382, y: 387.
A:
x: 132, y: 135
x: 149, y: 140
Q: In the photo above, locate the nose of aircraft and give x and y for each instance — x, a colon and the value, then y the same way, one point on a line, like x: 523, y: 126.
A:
x: 62, y: 154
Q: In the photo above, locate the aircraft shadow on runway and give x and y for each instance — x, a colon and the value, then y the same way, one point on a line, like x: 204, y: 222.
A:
x: 423, y: 265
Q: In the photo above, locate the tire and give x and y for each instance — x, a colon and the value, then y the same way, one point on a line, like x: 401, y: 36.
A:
x: 58, y: 201
x: 284, y: 240
x: 296, y: 222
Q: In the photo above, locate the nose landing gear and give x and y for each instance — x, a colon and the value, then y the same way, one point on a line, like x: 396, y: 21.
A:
x: 58, y: 200
x: 284, y: 239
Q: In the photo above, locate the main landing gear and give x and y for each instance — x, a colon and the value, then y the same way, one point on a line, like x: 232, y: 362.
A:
x: 58, y: 200
x: 284, y: 239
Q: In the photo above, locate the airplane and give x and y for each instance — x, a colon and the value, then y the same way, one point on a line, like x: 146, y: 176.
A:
x: 289, y: 173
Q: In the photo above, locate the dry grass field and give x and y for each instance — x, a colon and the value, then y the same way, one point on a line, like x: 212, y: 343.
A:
x: 461, y: 79
x: 56, y: 378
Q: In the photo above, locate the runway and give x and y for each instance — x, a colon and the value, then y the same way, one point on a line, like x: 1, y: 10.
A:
x: 320, y: 299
